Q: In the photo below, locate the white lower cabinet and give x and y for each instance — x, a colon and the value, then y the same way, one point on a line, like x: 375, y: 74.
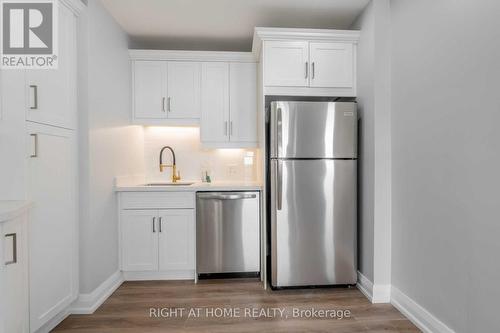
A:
x: 139, y: 240
x: 176, y: 239
x: 14, y: 309
x: 157, y: 243
x: 52, y: 186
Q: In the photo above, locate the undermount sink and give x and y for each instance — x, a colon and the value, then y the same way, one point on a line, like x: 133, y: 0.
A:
x: 169, y: 184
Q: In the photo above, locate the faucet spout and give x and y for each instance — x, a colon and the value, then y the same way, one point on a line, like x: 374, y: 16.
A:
x: 175, y: 175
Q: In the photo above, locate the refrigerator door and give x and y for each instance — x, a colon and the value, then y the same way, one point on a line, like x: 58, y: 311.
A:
x: 313, y: 222
x: 313, y: 130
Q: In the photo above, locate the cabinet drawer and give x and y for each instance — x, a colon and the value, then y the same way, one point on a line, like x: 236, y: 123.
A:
x: 157, y: 200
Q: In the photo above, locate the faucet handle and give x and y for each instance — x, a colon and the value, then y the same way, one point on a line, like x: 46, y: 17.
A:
x: 178, y: 176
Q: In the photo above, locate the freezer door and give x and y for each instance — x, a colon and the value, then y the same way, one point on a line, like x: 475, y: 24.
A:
x: 313, y: 130
x: 313, y: 222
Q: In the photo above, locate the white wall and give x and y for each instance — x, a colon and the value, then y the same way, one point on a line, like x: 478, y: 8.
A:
x: 109, y: 145
x: 192, y: 158
x: 446, y: 159
x: 375, y: 147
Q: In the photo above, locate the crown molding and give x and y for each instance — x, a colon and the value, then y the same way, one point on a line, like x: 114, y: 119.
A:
x: 76, y: 6
x: 174, y: 55
x: 263, y: 34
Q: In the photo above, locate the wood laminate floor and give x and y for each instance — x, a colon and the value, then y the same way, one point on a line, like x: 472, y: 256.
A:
x: 253, y: 310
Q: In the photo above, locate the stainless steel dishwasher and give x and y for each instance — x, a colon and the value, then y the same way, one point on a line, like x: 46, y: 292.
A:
x: 227, y: 234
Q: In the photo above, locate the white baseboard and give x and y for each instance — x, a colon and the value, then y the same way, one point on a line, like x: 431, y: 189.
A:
x: 163, y: 275
x: 52, y: 323
x: 88, y: 303
x: 379, y: 293
x: 419, y: 316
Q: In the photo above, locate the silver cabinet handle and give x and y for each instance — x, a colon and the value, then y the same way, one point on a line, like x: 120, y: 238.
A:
x: 154, y: 228
x: 279, y: 185
x: 14, y: 249
x: 163, y: 104
x: 312, y: 69
x: 168, y: 104
x: 307, y: 70
x: 35, y: 96
x: 35, y: 144
x: 160, y: 220
x: 225, y: 128
x: 231, y: 127
x: 226, y: 196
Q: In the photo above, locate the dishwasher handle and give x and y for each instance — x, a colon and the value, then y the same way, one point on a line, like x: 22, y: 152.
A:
x: 232, y: 196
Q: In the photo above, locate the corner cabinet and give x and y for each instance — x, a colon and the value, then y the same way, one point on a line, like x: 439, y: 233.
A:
x: 307, y: 62
x: 157, y: 235
x: 229, y: 105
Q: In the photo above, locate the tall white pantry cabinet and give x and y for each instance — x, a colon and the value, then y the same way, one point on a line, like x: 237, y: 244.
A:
x: 47, y: 101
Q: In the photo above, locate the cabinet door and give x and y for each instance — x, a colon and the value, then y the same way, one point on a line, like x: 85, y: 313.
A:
x: 150, y: 89
x: 50, y: 94
x: 183, y: 101
x: 243, y: 102
x: 176, y: 245
x: 214, y: 102
x: 14, y: 284
x: 332, y: 65
x: 139, y: 240
x: 286, y: 63
x: 52, y: 173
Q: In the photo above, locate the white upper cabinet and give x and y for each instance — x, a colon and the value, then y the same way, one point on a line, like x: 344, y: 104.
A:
x: 243, y: 102
x: 183, y: 99
x: 166, y: 93
x: 229, y: 105
x: 307, y: 62
x: 150, y: 89
x: 331, y: 65
x: 286, y: 63
x: 214, y: 102
x: 51, y: 94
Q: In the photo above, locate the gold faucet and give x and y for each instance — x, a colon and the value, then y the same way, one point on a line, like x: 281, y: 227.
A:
x: 176, y: 175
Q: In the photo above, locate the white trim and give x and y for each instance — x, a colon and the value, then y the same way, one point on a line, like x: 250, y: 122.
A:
x: 216, y: 145
x: 379, y: 293
x: 181, y: 55
x: 156, y: 275
x: 261, y: 34
x: 88, y: 303
x: 419, y: 316
x: 192, y: 122
x: 53, y: 322
x: 76, y: 6
x: 365, y: 286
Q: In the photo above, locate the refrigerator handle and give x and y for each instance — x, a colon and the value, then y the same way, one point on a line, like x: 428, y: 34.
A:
x: 278, y: 133
x: 279, y: 185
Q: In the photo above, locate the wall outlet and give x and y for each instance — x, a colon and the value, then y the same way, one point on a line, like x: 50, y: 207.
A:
x: 232, y: 169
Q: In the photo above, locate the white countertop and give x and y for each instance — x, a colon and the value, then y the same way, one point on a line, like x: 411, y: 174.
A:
x: 10, y: 209
x: 195, y: 187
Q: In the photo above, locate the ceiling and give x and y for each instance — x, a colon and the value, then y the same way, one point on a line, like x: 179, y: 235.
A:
x: 224, y: 25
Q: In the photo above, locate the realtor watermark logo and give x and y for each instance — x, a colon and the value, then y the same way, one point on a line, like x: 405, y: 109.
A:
x: 29, y: 34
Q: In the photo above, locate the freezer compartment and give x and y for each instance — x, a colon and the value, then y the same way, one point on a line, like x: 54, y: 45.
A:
x: 227, y: 232
x: 313, y: 130
x: 313, y: 222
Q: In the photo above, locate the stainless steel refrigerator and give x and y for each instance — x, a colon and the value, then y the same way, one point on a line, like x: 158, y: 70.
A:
x: 313, y: 163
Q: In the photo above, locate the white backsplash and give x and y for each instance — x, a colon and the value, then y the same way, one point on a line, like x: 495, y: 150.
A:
x: 192, y: 158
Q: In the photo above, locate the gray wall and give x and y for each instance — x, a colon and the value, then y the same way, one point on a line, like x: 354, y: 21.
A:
x: 446, y: 159
x: 375, y: 145
x: 110, y: 147
x: 366, y: 103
